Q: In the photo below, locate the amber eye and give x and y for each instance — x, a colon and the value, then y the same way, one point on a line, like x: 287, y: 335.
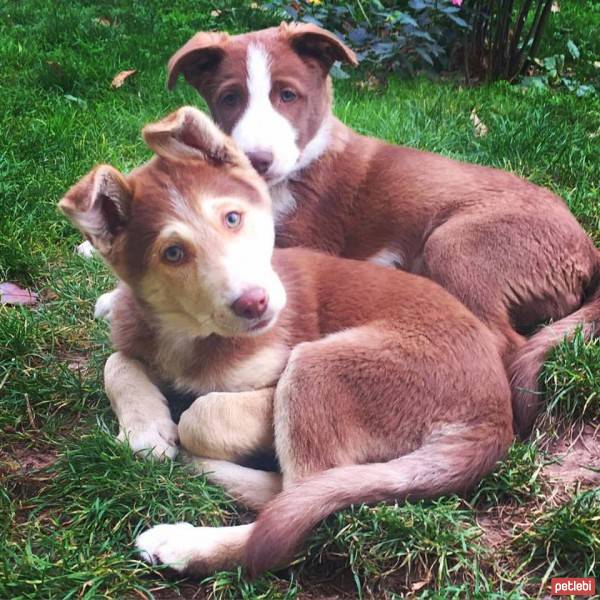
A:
x: 233, y: 219
x: 174, y: 254
x: 288, y: 95
x: 230, y: 99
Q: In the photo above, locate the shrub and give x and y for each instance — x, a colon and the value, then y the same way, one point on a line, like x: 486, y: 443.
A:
x: 387, y: 36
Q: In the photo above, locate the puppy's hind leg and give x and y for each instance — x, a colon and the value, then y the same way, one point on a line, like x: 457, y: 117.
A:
x: 228, y: 426
x: 250, y: 487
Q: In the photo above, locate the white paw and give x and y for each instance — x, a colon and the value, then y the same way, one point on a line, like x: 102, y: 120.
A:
x: 86, y: 250
x: 171, y: 545
x: 154, y: 439
x: 104, y: 305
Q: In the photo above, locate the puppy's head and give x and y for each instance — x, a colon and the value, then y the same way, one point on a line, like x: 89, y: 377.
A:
x: 191, y: 231
x: 269, y: 90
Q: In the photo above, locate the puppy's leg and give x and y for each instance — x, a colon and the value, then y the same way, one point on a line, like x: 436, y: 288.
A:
x: 219, y: 425
x: 364, y: 415
x: 250, y: 487
x: 228, y: 426
x: 197, y: 550
x: 144, y: 419
x: 104, y: 304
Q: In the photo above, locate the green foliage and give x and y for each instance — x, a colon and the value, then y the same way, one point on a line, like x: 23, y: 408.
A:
x: 571, y: 381
x: 516, y: 480
x: 567, y: 537
x: 76, y: 538
x: 434, y: 540
x: 387, y: 36
x: 552, y: 72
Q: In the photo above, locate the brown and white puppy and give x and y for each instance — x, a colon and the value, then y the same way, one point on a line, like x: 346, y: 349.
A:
x: 371, y: 385
x: 510, y: 250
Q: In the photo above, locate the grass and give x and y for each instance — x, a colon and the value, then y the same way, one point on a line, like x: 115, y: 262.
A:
x: 71, y: 500
x: 572, y: 383
x: 566, y: 535
x: 518, y: 480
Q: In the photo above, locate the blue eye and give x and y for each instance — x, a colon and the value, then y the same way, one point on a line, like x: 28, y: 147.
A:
x: 233, y: 219
x: 288, y: 95
x: 174, y: 254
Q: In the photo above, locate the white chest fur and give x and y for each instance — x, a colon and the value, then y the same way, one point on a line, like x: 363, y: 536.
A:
x: 284, y: 202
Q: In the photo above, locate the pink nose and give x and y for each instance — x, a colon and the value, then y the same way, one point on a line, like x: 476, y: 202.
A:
x: 251, y: 304
x: 261, y: 160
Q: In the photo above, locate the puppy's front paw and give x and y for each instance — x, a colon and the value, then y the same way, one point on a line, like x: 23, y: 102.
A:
x: 170, y: 545
x: 154, y: 439
x: 104, y: 304
x: 86, y: 249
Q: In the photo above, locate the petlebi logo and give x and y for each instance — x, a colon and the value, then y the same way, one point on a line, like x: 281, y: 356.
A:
x: 573, y: 586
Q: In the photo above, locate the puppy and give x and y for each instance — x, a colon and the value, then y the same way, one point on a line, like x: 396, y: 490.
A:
x: 371, y: 384
x: 509, y: 250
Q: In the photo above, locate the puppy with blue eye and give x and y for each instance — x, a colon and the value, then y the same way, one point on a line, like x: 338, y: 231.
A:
x: 369, y: 384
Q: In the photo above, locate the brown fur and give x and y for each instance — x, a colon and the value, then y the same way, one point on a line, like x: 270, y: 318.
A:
x: 388, y: 387
x: 508, y: 249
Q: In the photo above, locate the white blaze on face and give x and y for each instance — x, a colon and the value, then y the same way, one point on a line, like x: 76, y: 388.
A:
x: 261, y: 128
x: 246, y: 263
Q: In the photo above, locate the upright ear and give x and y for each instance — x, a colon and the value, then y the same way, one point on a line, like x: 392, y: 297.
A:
x: 190, y: 134
x: 309, y: 40
x: 195, y: 58
x: 99, y: 206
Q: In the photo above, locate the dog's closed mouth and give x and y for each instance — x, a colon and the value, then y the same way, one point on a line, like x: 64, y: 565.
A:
x: 261, y: 324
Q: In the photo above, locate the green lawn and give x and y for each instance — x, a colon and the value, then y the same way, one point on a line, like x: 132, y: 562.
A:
x: 72, y: 500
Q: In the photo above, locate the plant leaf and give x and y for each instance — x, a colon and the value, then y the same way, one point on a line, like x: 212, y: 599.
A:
x: 417, y: 4
x: 573, y: 49
x: 120, y: 78
x: 11, y: 293
x: 460, y: 22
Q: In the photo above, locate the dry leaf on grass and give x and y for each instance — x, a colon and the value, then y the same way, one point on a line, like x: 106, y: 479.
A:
x: 479, y: 126
x: 415, y: 587
x: 120, y: 78
x: 11, y: 293
x: 102, y: 21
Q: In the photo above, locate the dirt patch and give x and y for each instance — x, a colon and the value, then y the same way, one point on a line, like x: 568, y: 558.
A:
x: 22, y: 460
x: 575, y: 460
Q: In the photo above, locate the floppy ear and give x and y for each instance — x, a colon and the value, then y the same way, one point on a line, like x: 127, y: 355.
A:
x: 309, y: 40
x: 195, y: 58
x: 190, y: 134
x: 99, y: 206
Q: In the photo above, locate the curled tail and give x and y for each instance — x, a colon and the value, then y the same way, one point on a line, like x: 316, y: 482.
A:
x: 525, y: 368
x: 445, y: 464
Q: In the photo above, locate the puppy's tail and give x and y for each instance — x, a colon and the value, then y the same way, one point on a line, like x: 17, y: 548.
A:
x: 447, y: 463
x: 525, y: 368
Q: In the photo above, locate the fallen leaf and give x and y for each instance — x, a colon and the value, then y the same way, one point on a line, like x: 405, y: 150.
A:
x: 215, y: 13
x: 415, y: 587
x: 597, y: 64
x: 102, y: 21
x: 479, y: 126
x: 119, y: 78
x: 48, y: 295
x: 555, y: 8
x: 10, y: 293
